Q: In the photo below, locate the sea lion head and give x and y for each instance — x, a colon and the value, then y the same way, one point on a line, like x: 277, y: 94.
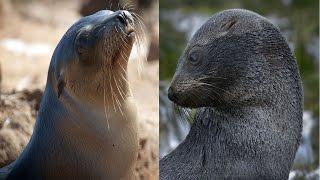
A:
x: 235, y: 59
x: 91, y: 58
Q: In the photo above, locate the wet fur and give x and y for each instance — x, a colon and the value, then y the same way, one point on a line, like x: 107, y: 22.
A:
x: 249, y: 97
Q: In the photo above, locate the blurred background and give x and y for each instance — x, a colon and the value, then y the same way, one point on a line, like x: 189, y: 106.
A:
x: 299, y: 23
x: 29, y: 32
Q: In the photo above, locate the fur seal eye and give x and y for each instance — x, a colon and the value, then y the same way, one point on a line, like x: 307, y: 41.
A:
x: 194, y: 58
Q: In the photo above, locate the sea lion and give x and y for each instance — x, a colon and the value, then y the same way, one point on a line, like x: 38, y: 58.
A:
x: 86, y: 126
x: 240, y: 74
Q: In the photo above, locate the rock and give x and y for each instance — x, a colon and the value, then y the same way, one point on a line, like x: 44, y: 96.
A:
x: 314, y: 175
x: 147, y: 164
x: 0, y: 78
x: 17, y: 117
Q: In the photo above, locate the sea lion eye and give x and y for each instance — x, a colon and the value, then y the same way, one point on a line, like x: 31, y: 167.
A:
x: 82, y: 43
x: 194, y: 57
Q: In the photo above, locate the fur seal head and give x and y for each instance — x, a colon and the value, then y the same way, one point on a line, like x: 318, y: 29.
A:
x: 235, y: 59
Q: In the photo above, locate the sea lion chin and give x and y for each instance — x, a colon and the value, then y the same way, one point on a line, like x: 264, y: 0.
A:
x: 87, y: 126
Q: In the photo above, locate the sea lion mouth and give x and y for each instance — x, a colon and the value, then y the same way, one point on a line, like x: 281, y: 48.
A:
x: 127, y: 29
x: 130, y: 32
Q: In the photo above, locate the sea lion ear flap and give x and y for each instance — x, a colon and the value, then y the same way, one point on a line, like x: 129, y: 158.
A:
x: 60, y: 84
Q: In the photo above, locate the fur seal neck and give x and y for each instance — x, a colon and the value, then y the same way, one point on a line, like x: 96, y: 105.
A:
x: 239, y: 73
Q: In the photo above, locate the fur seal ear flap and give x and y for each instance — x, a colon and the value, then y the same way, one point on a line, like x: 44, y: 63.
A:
x: 60, y: 84
x: 229, y: 24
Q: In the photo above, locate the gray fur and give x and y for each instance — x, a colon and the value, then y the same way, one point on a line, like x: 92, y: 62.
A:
x: 247, y: 88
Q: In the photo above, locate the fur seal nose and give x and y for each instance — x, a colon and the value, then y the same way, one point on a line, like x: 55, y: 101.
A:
x: 171, y: 94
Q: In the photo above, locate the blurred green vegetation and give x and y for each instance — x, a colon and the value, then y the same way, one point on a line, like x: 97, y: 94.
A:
x: 171, y: 45
x: 303, y: 17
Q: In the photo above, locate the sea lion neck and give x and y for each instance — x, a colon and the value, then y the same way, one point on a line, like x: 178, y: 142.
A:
x: 107, y: 88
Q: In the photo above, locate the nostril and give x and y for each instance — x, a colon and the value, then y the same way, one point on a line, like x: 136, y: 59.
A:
x: 124, y: 15
x: 122, y: 18
x: 128, y: 16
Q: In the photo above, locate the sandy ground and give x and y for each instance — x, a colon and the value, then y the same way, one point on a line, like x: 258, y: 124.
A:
x: 40, y: 27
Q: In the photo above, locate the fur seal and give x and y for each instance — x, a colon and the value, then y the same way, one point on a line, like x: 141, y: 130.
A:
x: 86, y: 127
x: 240, y: 74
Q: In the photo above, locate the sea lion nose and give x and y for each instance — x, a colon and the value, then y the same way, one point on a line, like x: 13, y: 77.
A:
x: 124, y: 17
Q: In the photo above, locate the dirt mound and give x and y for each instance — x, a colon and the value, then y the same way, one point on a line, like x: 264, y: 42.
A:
x: 17, y: 116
